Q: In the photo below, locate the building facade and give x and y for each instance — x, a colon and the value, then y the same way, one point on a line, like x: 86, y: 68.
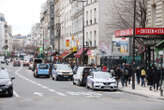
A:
x: 5, y: 36
x: 2, y: 32
x: 36, y: 38
x: 45, y: 25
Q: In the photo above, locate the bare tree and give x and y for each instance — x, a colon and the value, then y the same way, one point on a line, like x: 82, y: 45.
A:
x: 124, y: 11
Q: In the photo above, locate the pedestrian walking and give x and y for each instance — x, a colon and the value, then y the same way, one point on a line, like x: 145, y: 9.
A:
x: 118, y: 74
x: 156, y: 78
x: 126, y: 75
x: 138, y: 74
x: 143, y: 76
x: 130, y: 73
x: 150, y: 78
x: 104, y: 68
x: 122, y: 76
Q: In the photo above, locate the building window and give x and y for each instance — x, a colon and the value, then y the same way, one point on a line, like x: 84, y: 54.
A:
x: 95, y: 15
x: 95, y: 37
x: 87, y: 18
x: 153, y: 14
x: 91, y: 17
x: 91, y: 38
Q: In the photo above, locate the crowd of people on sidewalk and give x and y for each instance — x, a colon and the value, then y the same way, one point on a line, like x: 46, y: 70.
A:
x: 145, y: 77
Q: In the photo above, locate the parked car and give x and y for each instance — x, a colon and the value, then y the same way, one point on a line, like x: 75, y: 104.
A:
x: 62, y: 72
x: 42, y: 70
x: 6, y: 83
x: 101, y: 81
x: 16, y: 63
x: 80, y: 77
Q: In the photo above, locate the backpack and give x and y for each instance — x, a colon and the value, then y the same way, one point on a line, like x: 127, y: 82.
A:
x: 143, y: 72
x: 126, y: 72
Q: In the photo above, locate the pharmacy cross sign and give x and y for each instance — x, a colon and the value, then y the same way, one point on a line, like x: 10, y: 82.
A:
x: 139, y: 31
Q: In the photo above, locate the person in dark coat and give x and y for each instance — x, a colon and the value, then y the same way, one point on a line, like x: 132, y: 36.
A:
x: 150, y: 77
x: 118, y: 73
x: 138, y: 74
x: 130, y: 73
x: 156, y: 78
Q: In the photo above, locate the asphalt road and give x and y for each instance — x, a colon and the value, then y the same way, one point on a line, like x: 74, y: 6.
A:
x: 45, y: 94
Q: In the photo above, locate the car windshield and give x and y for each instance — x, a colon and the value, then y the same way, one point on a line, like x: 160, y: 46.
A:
x: 43, y: 66
x: 63, y: 67
x: 4, y: 75
x: 102, y: 75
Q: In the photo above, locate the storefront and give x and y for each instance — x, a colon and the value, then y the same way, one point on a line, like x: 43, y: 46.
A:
x: 79, y: 56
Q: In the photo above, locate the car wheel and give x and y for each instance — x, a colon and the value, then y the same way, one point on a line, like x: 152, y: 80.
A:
x: 52, y: 77
x: 10, y: 92
x: 79, y: 83
x: 93, y: 86
x: 73, y: 82
x: 87, y: 85
x: 56, y: 78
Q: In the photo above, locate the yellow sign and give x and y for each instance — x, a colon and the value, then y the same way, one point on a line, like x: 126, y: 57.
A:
x: 74, y: 49
x: 67, y: 43
x: 77, y: 42
x: 73, y: 37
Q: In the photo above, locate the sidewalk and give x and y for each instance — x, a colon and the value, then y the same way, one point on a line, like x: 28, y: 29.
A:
x: 141, y: 91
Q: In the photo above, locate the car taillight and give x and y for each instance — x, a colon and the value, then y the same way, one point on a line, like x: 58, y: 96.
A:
x: 36, y: 70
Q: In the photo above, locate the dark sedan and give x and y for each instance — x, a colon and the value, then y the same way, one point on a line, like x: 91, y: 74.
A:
x: 6, y: 84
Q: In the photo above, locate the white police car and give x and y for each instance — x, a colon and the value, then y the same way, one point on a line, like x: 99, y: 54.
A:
x: 99, y: 80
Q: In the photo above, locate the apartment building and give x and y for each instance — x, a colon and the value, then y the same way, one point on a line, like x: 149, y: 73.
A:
x: 45, y: 24
x: 36, y: 38
x: 2, y: 32
x: 98, y: 14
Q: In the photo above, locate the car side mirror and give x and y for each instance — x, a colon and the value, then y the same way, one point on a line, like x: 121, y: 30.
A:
x: 12, y: 78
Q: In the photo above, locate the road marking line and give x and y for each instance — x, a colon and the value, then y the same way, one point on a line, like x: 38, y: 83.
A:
x: 16, y: 94
x: 38, y: 84
x: 38, y: 93
x: 87, y: 94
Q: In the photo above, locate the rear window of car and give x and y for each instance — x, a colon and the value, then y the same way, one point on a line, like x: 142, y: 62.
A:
x: 43, y: 66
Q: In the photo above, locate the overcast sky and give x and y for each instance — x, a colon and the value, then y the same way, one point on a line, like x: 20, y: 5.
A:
x: 21, y: 14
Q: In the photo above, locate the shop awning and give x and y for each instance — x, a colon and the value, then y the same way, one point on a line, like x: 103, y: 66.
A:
x: 80, y: 52
x: 160, y: 44
x: 89, y: 52
x: 65, y: 53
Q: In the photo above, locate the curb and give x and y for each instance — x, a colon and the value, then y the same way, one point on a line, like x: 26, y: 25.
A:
x: 137, y: 94
x: 132, y: 93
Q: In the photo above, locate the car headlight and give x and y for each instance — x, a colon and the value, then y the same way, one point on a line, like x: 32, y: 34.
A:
x: 59, y: 73
x: 8, y: 83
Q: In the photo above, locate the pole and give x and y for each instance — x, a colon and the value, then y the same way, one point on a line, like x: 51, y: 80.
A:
x: 83, y: 34
x: 134, y: 34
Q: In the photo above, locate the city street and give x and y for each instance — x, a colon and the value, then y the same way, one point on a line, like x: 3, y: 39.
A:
x: 45, y: 94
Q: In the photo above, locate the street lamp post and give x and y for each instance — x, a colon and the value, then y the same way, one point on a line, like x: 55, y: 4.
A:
x: 134, y: 34
x: 83, y: 9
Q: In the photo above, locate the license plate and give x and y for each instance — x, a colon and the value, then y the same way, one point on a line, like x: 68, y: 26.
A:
x: 107, y: 87
x: 65, y: 76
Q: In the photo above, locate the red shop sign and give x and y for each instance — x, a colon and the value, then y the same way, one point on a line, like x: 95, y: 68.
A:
x: 149, y: 31
x: 127, y: 32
